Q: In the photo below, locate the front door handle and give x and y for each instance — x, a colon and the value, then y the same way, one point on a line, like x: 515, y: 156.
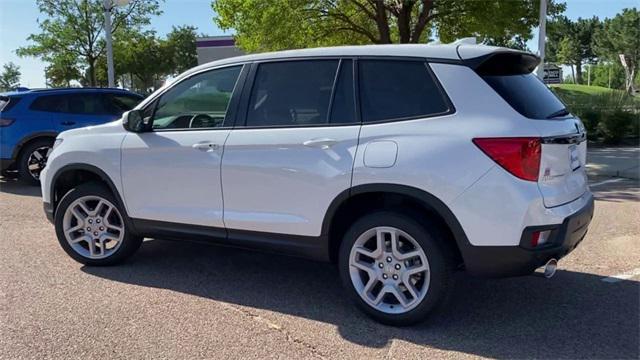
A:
x: 322, y: 143
x: 205, y: 146
x: 68, y: 123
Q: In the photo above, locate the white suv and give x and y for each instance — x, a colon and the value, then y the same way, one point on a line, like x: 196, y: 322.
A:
x: 402, y: 163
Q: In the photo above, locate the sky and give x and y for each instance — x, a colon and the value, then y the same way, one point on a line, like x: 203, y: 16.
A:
x: 18, y: 19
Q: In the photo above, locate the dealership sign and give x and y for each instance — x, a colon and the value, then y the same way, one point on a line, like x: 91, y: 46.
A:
x: 552, y: 74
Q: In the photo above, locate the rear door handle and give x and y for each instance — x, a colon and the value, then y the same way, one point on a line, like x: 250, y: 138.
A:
x: 322, y: 143
x: 205, y: 146
x: 68, y: 123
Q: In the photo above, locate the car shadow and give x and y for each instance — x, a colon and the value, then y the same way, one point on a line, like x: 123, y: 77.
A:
x: 10, y: 184
x: 624, y: 191
x: 574, y: 315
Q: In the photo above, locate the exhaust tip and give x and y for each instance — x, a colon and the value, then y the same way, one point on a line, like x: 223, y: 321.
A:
x: 550, y: 268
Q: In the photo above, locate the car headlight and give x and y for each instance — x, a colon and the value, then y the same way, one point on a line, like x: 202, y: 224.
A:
x: 57, y: 142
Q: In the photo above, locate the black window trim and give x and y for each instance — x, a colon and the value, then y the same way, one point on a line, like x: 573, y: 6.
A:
x: 241, y: 119
x: 241, y: 123
x: 102, y: 94
x: 447, y: 100
x: 232, y: 107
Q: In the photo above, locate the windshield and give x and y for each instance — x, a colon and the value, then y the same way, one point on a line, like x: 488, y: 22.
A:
x: 527, y: 95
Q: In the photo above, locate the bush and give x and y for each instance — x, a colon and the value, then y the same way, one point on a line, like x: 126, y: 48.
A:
x: 591, y: 119
x: 615, y: 125
x: 608, y: 115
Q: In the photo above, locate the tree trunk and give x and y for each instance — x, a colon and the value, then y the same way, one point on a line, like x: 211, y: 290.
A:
x: 404, y: 22
x: 578, y: 72
x: 92, y: 72
x: 382, y: 23
x: 573, y: 74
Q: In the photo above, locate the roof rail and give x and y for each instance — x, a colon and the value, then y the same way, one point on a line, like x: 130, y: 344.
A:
x: 466, y: 41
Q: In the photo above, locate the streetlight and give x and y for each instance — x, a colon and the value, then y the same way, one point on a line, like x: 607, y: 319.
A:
x: 542, y: 35
x: 108, y: 6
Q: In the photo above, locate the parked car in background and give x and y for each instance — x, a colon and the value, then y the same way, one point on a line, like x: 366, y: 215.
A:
x: 402, y: 163
x: 30, y: 121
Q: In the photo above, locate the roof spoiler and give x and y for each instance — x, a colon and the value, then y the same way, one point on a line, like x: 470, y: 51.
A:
x: 502, y: 63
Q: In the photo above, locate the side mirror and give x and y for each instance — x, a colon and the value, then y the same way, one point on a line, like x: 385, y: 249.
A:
x: 134, y: 122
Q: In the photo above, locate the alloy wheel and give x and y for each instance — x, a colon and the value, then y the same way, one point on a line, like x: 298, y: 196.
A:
x: 389, y: 270
x: 93, y: 227
x: 38, y: 160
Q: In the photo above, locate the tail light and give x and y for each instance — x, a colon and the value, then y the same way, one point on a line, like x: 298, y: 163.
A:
x: 6, y: 122
x: 519, y: 156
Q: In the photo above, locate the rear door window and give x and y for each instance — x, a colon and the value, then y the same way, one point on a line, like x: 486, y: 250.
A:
x: 293, y: 93
x: 527, y: 95
x: 398, y: 89
x: 50, y: 103
x: 89, y: 104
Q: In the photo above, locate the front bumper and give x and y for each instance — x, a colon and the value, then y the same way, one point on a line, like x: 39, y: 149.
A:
x: 5, y: 164
x: 48, y: 211
x: 504, y: 261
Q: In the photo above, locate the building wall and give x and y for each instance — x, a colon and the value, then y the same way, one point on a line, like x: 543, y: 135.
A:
x: 216, y: 48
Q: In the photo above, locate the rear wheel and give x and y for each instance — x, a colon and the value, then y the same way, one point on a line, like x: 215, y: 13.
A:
x: 32, y: 160
x: 91, y: 227
x: 394, y: 267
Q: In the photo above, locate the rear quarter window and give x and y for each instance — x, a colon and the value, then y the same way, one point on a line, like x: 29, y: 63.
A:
x: 397, y: 90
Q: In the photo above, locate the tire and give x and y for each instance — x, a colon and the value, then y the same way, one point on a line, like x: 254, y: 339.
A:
x: 25, y: 159
x: 96, y: 239
x: 429, y: 288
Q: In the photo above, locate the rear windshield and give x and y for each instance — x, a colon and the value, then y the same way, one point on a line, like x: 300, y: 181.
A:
x: 527, y: 95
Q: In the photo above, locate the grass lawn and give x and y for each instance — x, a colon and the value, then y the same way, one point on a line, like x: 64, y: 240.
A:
x: 583, y: 96
x: 587, y: 90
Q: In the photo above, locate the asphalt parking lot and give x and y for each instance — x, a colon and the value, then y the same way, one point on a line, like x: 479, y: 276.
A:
x: 188, y: 300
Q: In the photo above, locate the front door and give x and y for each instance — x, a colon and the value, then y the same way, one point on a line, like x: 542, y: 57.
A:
x: 172, y: 173
x: 292, y: 151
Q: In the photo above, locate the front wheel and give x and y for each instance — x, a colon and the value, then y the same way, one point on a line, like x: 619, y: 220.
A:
x: 394, y: 267
x: 91, y: 227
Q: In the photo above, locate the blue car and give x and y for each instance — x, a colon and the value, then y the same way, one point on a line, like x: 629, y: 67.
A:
x: 30, y: 120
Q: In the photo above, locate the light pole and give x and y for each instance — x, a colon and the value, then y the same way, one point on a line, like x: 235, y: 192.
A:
x: 108, y: 6
x: 542, y: 37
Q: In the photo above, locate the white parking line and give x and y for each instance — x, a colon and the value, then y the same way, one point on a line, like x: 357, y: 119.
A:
x: 624, y: 276
x: 606, y: 182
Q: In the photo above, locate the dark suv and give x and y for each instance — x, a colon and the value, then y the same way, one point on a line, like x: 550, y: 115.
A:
x: 30, y: 121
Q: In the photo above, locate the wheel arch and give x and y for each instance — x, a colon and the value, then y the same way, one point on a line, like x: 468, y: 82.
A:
x: 72, y: 175
x: 347, y: 204
x: 30, y: 138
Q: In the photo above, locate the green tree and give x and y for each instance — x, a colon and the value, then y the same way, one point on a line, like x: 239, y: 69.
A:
x: 284, y: 24
x: 621, y: 36
x: 62, y: 70
x: 10, y: 77
x: 568, y: 53
x: 180, y: 45
x: 144, y: 57
x: 74, y: 29
x: 572, y: 42
x: 608, y: 74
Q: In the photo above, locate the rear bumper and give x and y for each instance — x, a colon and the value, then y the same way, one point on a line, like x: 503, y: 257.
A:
x: 504, y: 261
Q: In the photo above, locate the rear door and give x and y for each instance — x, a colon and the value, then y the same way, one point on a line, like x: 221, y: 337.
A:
x: 292, y: 152
x: 564, y: 147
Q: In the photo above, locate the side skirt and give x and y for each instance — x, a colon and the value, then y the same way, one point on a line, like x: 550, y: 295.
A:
x: 311, y: 247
